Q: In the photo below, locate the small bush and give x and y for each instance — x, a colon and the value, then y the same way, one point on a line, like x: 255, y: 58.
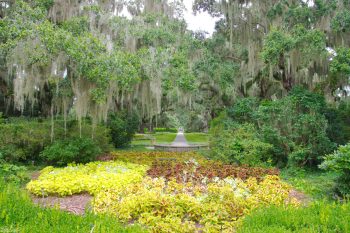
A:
x: 239, y: 144
x: 79, y: 150
x: 122, y: 128
x: 101, y: 135
x: 339, y: 161
x: 13, y: 174
x: 23, y: 140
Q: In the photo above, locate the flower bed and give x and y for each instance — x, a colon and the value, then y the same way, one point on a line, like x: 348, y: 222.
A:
x: 174, y: 207
x: 177, y: 195
x: 195, y: 172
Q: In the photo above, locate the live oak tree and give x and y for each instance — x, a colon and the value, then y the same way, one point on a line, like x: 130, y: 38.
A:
x: 87, y: 58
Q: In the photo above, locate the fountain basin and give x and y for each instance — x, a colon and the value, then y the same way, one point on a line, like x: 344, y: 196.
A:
x: 180, y: 147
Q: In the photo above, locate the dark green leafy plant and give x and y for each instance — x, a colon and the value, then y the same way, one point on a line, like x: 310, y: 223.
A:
x: 341, y: 21
x: 338, y: 129
x: 295, y: 125
x: 339, y: 161
x: 122, y: 127
x: 79, y: 150
x: 22, y: 140
x: 13, y: 174
x: 239, y: 144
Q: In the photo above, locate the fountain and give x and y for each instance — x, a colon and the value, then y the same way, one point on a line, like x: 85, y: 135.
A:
x: 180, y: 144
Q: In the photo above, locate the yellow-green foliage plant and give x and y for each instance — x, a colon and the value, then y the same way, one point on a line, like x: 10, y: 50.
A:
x: 174, y: 207
x: 92, y: 178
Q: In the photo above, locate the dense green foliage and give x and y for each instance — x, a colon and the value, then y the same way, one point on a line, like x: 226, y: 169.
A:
x: 95, y: 60
x: 22, y: 140
x: 296, y: 126
x: 11, y: 173
x: 19, y: 214
x: 317, y: 217
x: 239, y: 144
x: 90, y: 61
x: 339, y: 161
x: 285, y: 43
x: 339, y: 123
x: 122, y: 128
x: 78, y: 150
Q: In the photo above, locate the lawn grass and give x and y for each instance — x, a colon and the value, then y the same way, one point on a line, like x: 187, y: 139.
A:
x: 19, y: 214
x: 143, y: 142
x: 316, y: 184
x: 317, y: 217
x: 166, y: 138
x: 197, y: 137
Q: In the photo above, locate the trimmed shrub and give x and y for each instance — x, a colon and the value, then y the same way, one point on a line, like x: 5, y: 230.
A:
x: 165, y: 130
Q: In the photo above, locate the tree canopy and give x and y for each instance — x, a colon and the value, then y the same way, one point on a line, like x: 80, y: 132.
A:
x: 87, y: 58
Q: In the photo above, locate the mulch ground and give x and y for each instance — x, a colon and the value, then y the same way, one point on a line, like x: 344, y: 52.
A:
x: 76, y: 204
x: 300, y: 196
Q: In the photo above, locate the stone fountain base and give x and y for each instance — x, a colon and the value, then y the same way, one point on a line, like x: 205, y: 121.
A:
x: 180, y: 148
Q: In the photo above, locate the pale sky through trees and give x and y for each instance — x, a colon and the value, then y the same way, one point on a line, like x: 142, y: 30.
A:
x: 199, y: 22
x: 203, y: 21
